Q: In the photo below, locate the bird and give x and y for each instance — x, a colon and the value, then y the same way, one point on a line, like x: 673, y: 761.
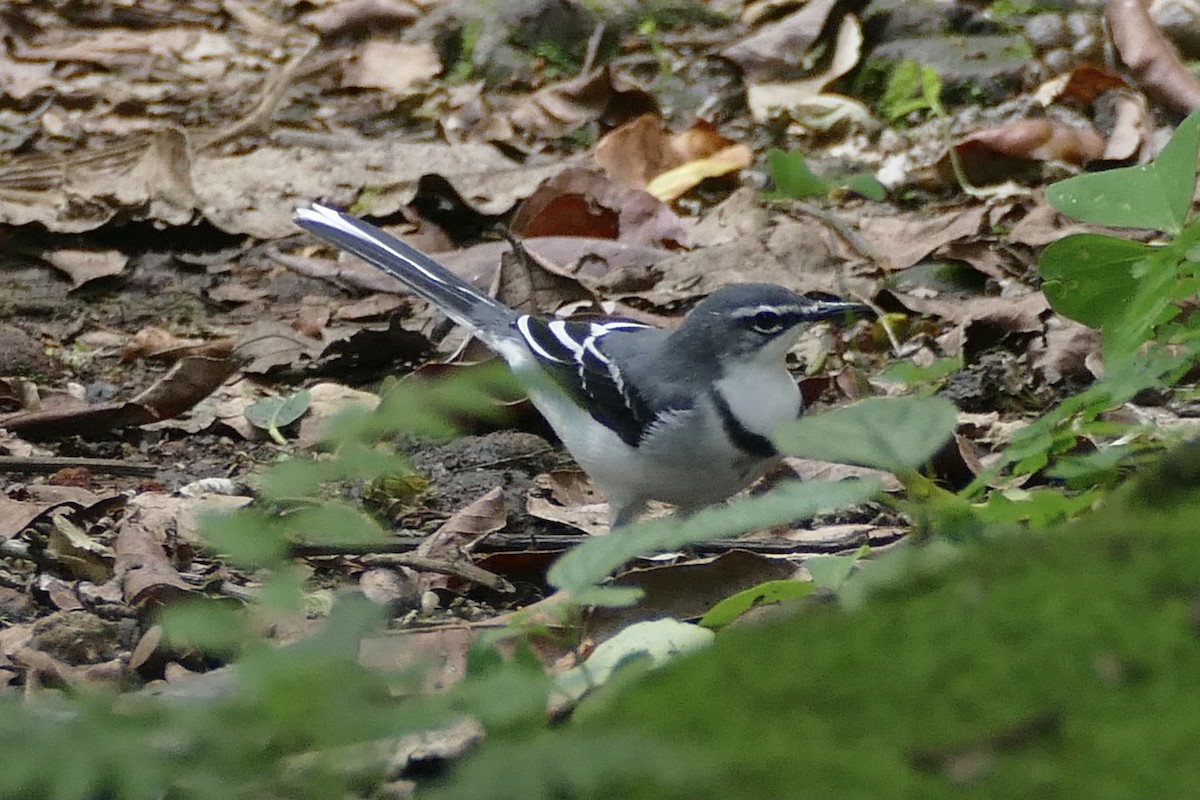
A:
x: 683, y: 417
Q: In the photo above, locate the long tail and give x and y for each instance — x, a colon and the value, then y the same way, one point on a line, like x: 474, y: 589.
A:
x: 456, y: 298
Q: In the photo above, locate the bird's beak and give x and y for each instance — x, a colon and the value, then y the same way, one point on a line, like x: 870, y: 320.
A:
x: 832, y: 309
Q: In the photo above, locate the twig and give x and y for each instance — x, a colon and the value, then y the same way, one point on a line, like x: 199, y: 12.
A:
x: 459, y: 569
x: 841, y: 228
x: 45, y: 464
x: 593, y: 47
x: 274, y: 90
x: 551, y: 543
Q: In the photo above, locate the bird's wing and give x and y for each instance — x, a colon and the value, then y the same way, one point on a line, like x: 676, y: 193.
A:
x: 572, y: 353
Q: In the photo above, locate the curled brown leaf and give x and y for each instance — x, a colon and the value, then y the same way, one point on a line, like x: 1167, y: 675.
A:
x: 1150, y: 57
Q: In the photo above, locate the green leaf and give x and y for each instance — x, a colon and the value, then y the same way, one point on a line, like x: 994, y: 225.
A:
x: 898, y: 95
x: 204, y: 624
x: 552, y: 765
x: 1037, y: 507
x: 1157, y: 195
x: 910, y: 374
x: 334, y: 522
x: 830, y: 572
x: 595, y: 559
x: 248, y: 537
x: 863, y: 184
x: 910, y: 87
x: 896, y: 434
x: 792, y: 177
x: 764, y: 594
x: 279, y: 412
x: 660, y: 640
x: 1088, y: 277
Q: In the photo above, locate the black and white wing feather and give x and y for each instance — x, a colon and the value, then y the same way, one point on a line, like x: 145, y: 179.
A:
x: 571, y: 353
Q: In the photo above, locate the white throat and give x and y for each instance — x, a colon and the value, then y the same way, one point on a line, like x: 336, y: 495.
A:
x: 760, y: 392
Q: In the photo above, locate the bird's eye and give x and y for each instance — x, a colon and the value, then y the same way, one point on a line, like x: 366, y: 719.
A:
x: 767, y: 322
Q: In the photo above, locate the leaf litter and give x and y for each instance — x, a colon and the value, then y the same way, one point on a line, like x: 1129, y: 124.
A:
x: 148, y: 177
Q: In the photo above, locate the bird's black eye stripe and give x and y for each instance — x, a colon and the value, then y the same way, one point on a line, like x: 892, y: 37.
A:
x: 767, y: 321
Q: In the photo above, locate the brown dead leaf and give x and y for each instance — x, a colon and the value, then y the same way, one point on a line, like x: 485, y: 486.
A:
x: 82, y: 266
x: 113, y: 47
x: 1042, y: 224
x: 740, y: 214
x: 373, y: 306
x: 1082, y: 85
x: 633, y: 154
x: 154, y: 184
x: 1066, y: 350
x: 570, y: 498
x: 146, y: 574
x: 1010, y: 314
x: 686, y: 590
x: 256, y: 192
x: 57, y: 592
x: 642, y: 155
x: 1151, y: 59
x: 235, y: 293
x: 354, y: 16
x: 395, y: 67
x: 327, y: 401
x: 1131, y: 128
x: 531, y: 283
x: 809, y: 470
x: 269, y: 344
x: 1026, y: 140
x: 313, y: 316
x: 579, y: 202
x: 79, y: 554
x: 557, y: 110
x: 154, y: 343
x: 903, y: 242
x: 441, y: 653
x: 188, y: 382
x: 163, y: 512
x: 796, y: 254
x: 466, y: 528
x: 799, y: 98
x: 458, y: 536
x: 592, y: 262
x: 776, y: 49
x: 148, y: 177
x: 17, y: 515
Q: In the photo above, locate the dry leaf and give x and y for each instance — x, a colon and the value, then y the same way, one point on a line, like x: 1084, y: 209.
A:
x: 1150, y: 57
x: 559, y: 109
x: 642, y: 155
x: 77, y: 552
x: 395, y: 67
x: 776, y: 49
x: 352, y: 16
x: 579, y: 202
x: 1029, y: 139
x: 188, y: 382
x: 86, y: 265
x: 146, y: 574
x: 791, y: 97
